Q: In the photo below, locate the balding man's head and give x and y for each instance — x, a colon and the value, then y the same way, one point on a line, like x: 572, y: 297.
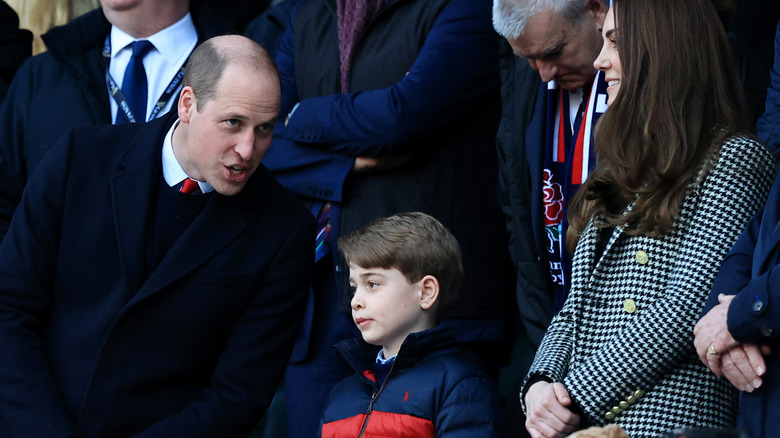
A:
x: 559, y: 38
x: 209, y: 60
x: 227, y: 110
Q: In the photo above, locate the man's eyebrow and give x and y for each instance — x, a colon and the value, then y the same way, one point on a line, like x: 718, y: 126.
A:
x: 551, y: 51
x: 234, y: 116
x: 272, y: 120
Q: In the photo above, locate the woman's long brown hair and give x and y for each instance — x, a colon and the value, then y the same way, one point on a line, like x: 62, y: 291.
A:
x: 679, y: 100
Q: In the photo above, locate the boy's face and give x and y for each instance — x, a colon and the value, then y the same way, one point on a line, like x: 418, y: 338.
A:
x: 386, y: 307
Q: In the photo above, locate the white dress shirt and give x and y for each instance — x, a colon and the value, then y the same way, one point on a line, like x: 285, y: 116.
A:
x: 172, y: 47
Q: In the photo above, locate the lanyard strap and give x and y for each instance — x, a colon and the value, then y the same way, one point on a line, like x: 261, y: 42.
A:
x: 119, y: 96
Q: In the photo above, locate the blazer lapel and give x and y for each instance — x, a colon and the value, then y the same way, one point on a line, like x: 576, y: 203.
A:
x: 590, y: 238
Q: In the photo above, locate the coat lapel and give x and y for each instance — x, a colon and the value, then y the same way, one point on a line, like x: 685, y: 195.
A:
x: 131, y: 190
x: 590, y: 240
x: 216, y: 226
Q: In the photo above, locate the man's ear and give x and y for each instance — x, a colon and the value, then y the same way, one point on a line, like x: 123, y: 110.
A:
x: 429, y: 287
x: 187, y: 104
x: 598, y: 9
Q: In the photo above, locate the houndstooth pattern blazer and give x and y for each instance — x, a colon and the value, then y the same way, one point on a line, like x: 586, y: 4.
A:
x: 623, y: 343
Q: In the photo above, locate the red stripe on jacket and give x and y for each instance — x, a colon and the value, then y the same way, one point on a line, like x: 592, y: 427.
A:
x: 380, y: 425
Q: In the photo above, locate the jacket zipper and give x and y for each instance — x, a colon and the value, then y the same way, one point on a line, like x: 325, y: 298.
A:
x: 373, y: 399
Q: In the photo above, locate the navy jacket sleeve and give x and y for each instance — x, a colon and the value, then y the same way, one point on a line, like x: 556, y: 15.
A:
x: 325, y: 134
x: 30, y: 395
x: 306, y: 171
x: 754, y: 314
x: 769, y: 123
x: 373, y: 123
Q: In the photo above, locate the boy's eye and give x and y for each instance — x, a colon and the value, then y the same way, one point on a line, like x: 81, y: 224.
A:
x: 352, y: 289
x: 373, y: 285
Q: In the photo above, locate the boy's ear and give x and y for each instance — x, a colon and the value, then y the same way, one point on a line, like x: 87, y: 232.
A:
x: 429, y: 286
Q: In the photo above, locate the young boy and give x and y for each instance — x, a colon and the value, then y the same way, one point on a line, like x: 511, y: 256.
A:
x: 411, y: 381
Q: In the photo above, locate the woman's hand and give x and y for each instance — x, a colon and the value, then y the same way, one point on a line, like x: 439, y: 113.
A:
x: 548, y: 412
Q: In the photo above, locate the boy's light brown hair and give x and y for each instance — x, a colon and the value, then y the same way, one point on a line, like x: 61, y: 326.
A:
x: 414, y: 243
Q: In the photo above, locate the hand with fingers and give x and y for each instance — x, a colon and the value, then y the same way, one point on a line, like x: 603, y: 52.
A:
x: 712, y: 335
x: 742, y: 364
x: 548, y: 413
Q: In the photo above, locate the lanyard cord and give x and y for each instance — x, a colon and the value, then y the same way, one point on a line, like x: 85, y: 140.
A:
x: 119, y: 96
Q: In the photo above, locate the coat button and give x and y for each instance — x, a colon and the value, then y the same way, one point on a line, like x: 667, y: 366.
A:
x: 629, y: 305
x: 616, y: 410
x: 639, y: 394
x: 609, y: 416
x: 758, y: 305
x: 623, y: 405
x: 766, y: 330
x: 642, y: 258
x: 631, y: 399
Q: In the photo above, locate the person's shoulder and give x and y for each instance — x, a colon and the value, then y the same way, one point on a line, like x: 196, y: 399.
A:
x: 78, y: 37
x: 37, y: 64
x: 452, y: 365
x: 740, y: 156
x: 741, y: 141
x: 100, y: 143
x: 741, y: 148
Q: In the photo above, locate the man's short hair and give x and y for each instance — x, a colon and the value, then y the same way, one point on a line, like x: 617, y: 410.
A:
x: 510, y: 17
x: 414, y: 243
x: 209, y: 60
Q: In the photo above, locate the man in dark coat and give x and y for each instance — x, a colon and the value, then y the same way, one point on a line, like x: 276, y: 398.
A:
x: 67, y: 86
x: 130, y: 307
x: 552, y: 98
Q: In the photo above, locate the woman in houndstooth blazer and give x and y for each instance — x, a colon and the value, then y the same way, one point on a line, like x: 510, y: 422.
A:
x: 676, y: 181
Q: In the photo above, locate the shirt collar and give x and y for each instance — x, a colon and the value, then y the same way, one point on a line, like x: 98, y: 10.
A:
x: 380, y: 357
x: 167, y: 41
x: 172, y: 170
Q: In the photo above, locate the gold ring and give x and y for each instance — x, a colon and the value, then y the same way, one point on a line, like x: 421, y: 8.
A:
x: 712, y: 351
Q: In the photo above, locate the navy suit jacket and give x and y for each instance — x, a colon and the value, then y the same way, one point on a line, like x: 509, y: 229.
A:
x: 751, y: 271
x: 92, y: 346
